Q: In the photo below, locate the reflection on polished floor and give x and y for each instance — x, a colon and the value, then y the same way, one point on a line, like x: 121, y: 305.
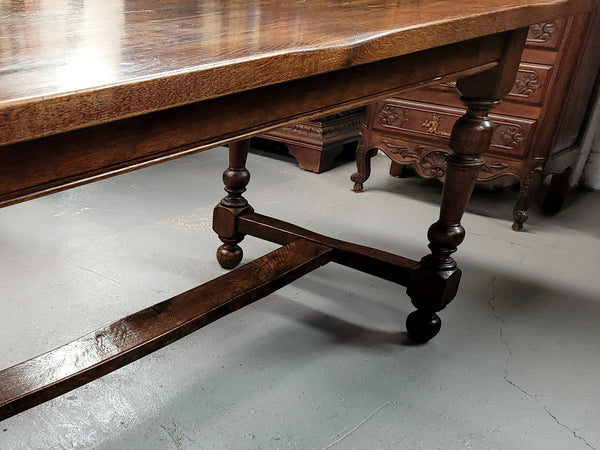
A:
x: 323, y: 363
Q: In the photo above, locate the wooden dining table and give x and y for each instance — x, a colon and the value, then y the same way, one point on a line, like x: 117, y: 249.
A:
x: 90, y: 90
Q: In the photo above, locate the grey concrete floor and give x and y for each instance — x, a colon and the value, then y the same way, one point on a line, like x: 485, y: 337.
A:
x: 325, y: 362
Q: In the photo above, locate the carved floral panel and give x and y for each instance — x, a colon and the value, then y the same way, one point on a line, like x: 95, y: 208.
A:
x: 546, y: 34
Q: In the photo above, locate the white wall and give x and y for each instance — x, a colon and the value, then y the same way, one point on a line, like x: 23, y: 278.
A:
x: 591, y: 172
x: 587, y: 171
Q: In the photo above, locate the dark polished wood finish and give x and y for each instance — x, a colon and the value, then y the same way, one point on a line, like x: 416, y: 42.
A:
x: 225, y: 215
x: 172, y: 78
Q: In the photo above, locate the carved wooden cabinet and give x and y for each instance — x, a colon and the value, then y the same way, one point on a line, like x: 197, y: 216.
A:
x: 317, y: 143
x: 539, y: 121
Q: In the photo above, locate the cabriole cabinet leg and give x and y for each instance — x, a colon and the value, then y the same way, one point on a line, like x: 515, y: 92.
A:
x: 526, y: 194
x: 364, y: 153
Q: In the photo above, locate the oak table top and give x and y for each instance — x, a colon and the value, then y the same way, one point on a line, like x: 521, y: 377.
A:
x: 66, y: 65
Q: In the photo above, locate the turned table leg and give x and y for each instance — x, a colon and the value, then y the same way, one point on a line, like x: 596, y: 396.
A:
x: 434, y: 282
x: 226, y: 213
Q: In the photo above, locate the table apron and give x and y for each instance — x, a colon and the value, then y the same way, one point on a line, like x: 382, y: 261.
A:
x: 48, y: 164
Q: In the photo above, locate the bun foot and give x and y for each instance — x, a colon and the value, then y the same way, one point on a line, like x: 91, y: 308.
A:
x: 422, y: 326
x: 229, y: 255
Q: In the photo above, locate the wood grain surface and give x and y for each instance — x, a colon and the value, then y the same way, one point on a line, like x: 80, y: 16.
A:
x: 61, y: 370
x: 66, y: 65
x: 376, y: 262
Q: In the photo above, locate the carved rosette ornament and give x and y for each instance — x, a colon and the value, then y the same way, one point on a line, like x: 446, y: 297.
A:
x: 526, y: 83
x: 391, y: 116
x: 509, y: 135
x: 541, y: 32
x: 432, y: 165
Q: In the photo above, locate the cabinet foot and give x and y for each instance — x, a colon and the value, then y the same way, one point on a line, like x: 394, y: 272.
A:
x: 363, y: 164
x: 556, y: 197
x: 528, y: 189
